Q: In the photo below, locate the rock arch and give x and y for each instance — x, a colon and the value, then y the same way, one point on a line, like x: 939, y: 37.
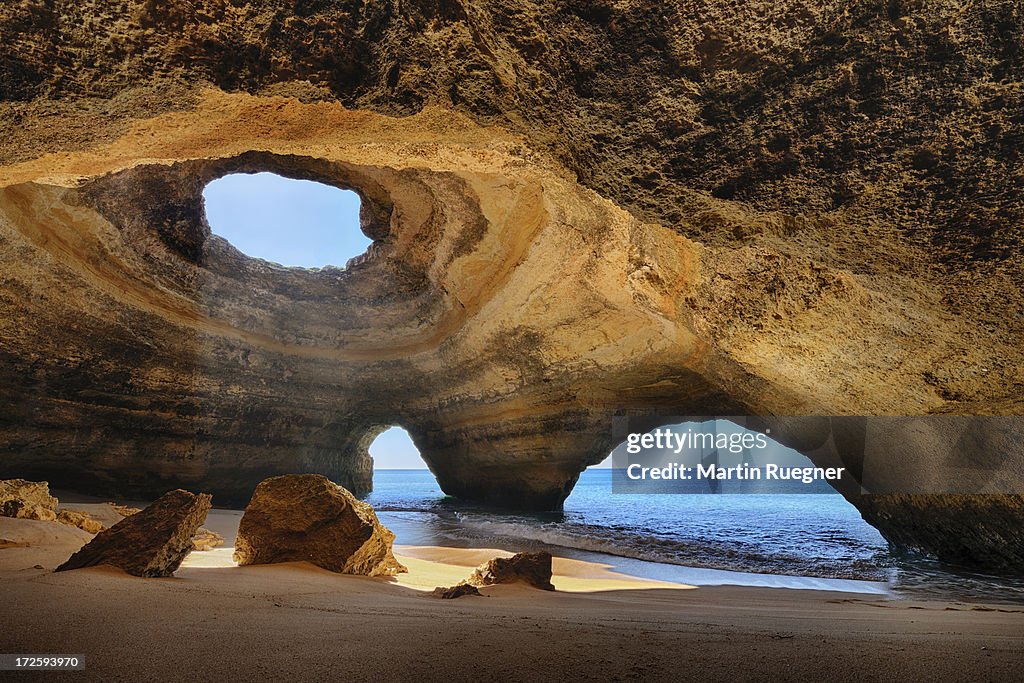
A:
x: 551, y: 247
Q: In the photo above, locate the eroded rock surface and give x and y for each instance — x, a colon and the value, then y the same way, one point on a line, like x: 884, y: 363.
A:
x: 533, y: 569
x: 308, y: 518
x: 578, y: 209
x: 460, y: 590
x: 27, y: 500
x: 80, y: 520
x: 205, y: 539
x: 966, y: 530
x: 124, y: 510
x: 150, y: 543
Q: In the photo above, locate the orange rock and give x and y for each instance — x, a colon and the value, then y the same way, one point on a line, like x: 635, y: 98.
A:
x: 27, y: 500
x: 308, y: 518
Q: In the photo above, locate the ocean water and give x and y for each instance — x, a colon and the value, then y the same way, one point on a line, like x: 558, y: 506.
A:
x: 782, y: 539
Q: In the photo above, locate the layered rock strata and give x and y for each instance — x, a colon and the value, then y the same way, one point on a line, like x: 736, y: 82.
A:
x: 578, y: 210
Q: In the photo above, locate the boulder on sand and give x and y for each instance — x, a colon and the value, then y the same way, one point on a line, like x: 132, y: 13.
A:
x: 80, y: 520
x: 150, y: 543
x: 27, y: 500
x: 307, y: 517
x: 206, y: 539
x: 531, y: 568
x: 457, y: 591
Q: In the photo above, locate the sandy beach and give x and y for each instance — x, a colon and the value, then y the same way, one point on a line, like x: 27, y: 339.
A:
x: 218, y: 622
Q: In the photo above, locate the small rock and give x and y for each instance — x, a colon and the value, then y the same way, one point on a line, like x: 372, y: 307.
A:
x: 27, y: 500
x: 80, y: 520
x: 531, y: 568
x: 307, y: 517
x: 206, y: 540
x: 152, y: 542
x: 456, y: 591
x: 124, y: 510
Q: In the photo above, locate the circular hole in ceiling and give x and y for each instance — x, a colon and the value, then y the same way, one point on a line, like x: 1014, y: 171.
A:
x: 294, y: 223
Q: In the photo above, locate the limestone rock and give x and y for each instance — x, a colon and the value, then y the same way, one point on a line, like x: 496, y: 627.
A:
x: 27, y: 500
x: 124, y: 510
x: 457, y: 591
x: 205, y: 539
x: 531, y: 568
x: 150, y: 543
x: 590, y: 207
x: 308, y: 518
x: 966, y: 530
x: 80, y: 520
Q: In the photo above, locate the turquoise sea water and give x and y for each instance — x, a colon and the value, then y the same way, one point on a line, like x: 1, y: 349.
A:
x: 788, y: 540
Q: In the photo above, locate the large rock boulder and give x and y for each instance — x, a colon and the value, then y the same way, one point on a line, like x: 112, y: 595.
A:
x: 531, y: 568
x: 27, y: 500
x: 307, y: 517
x: 150, y: 543
x: 205, y: 539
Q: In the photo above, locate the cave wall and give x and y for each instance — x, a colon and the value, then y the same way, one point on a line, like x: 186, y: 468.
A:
x: 578, y: 209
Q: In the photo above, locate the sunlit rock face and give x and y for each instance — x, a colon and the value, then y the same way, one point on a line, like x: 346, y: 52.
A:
x: 654, y: 208
x: 499, y: 315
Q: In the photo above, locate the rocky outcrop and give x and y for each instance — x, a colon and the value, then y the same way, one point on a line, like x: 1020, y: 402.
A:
x: 206, y: 539
x: 308, y: 518
x: 966, y: 530
x: 124, y: 510
x: 459, y: 590
x: 150, y: 543
x: 27, y: 500
x: 579, y: 210
x: 533, y: 569
x: 80, y: 520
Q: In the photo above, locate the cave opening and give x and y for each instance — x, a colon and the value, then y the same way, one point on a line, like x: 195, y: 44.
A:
x: 393, y: 449
x: 402, y: 482
x: 291, y: 222
x: 400, y: 472
x: 758, y: 526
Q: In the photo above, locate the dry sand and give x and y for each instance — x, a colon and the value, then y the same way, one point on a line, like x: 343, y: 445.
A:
x: 217, y: 622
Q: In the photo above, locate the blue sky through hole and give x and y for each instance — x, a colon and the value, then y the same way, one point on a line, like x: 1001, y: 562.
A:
x: 290, y: 222
x: 394, y: 450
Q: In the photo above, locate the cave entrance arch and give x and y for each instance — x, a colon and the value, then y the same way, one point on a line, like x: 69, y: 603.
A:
x: 772, y: 530
x: 403, y: 487
x: 294, y: 223
x: 401, y: 477
x: 393, y: 449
